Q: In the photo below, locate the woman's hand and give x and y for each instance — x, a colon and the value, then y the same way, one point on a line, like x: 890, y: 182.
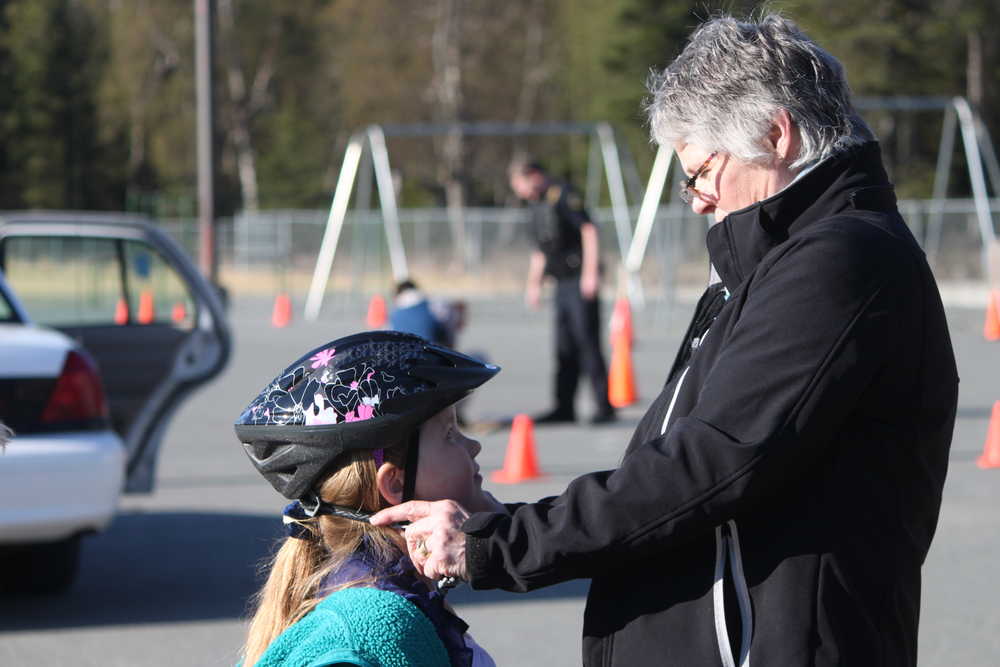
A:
x: 434, y: 538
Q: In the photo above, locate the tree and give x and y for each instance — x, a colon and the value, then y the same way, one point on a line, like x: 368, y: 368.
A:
x: 51, y: 153
x: 274, y: 57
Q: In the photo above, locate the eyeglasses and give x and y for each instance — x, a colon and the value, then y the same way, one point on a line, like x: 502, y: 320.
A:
x: 688, y: 191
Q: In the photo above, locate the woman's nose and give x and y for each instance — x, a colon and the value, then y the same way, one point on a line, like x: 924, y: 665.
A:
x: 701, y: 205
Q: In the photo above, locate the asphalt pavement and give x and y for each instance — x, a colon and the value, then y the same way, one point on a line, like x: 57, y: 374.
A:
x: 170, y: 582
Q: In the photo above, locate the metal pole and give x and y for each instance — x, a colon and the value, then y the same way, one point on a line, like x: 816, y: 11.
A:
x: 941, y: 176
x: 650, y: 205
x: 974, y: 161
x: 619, y: 203
x: 387, y: 198
x: 204, y: 12
x: 633, y: 183
x: 592, y: 197
x: 616, y: 186
x: 362, y: 217
x: 989, y: 154
x: 334, y: 223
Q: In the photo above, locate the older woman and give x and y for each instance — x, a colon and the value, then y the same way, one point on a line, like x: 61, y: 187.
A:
x: 776, y: 502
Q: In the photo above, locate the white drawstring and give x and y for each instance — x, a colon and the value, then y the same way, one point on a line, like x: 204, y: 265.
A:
x: 742, y: 594
x: 727, y: 548
x: 719, y: 599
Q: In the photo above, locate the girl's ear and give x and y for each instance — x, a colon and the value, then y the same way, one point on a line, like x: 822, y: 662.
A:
x: 390, y: 480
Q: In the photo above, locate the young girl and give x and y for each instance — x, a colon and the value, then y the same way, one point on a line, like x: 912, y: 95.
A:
x: 364, y: 422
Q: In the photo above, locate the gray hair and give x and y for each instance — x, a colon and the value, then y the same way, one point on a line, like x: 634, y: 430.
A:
x: 722, y: 92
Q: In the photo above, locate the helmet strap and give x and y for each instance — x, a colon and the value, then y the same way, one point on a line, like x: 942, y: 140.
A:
x: 311, y: 506
x: 410, y: 474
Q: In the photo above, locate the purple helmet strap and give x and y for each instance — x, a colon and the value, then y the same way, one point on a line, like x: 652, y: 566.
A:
x: 410, y: 475
x: 379, y: 456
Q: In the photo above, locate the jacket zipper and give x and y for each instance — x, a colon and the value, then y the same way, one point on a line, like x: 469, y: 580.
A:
x: 695, y: 344
x: 673, y: 399
x: 727, y: 548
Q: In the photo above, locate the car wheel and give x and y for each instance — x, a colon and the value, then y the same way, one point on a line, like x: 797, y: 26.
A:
x: 48, y: 567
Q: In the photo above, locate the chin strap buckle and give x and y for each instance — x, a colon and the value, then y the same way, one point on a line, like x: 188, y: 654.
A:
x: 445, y: 584
x: 310, y: 504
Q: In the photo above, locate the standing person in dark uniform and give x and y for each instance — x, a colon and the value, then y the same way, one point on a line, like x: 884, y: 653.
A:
x: 568, y: 250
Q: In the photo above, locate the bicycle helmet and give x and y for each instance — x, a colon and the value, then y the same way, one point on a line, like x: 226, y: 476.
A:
x: 367, y: 391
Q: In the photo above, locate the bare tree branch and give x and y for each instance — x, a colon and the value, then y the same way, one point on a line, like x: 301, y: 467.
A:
x: 240, y: 131
x: 447, y: 85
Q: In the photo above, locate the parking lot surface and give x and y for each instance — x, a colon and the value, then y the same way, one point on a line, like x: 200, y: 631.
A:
x: 169, y: 583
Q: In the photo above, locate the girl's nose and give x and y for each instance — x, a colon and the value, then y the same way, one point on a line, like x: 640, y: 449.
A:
x: 474, y: 447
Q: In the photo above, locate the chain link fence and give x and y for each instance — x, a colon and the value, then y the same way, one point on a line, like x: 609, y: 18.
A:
x: 276, y: 250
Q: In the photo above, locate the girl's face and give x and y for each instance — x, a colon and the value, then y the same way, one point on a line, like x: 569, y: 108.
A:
x: 447, y: 467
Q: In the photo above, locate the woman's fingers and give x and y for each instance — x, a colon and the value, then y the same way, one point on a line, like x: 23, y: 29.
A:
x: 434, y: 537
x: 408, y: 511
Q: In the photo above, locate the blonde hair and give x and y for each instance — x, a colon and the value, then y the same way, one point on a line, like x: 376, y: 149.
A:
x: 299, y: 566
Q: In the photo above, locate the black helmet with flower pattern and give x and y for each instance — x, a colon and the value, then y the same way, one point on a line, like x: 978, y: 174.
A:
x: 368, y: 391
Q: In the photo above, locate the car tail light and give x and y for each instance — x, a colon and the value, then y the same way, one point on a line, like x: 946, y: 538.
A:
x: 78, y: 395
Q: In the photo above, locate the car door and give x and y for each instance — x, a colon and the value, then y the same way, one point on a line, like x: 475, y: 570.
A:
x: 132, y: 297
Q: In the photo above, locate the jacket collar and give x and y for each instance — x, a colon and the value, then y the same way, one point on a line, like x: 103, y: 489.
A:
x: 852, y: 179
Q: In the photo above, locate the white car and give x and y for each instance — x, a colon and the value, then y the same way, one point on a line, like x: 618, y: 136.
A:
x: 62, y: 474
x: 111, y: 327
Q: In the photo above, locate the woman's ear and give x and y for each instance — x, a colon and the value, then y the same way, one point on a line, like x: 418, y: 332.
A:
x: 784, y: 137
x: 390, y: 480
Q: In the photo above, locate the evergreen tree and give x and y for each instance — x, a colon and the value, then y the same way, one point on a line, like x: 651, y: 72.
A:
x: 51, y: 65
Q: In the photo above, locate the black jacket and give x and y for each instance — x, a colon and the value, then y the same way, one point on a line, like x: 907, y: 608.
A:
x: 781, y: 493
x: 556, y: 221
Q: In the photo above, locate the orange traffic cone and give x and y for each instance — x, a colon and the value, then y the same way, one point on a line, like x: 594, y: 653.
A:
x: 991, y: 330
x: 991, y: 450
x: 377, y: 314
x: 281, y: 315
x: 621, y: 321
x: 146, y: 312
x: 520, y: 463
x: 121, y: 312
x: 179, y: 312
x: 621, y: 376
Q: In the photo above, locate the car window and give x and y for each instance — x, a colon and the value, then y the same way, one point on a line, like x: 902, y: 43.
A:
x: 79, y: 281
x: 64, y: 280
x: 155, y: 289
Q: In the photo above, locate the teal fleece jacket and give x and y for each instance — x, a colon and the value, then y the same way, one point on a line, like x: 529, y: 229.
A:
x: 359, y: 626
